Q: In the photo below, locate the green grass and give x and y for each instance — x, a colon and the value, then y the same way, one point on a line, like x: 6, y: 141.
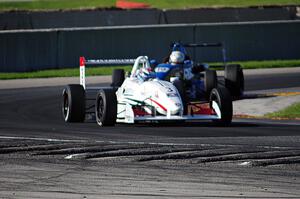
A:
x: 270, y: 64
x: 263, y: 64
x: 70, y: 72
x: 290, y: 112
x: 74, y: 72
x: 215, y: 3
x: 169, y: 4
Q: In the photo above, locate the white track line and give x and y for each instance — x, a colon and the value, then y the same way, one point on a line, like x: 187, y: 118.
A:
x: 245, y: 163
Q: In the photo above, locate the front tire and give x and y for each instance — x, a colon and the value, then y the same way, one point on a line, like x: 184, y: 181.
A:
x: 234, y: 79
x: 73, y: 103
x: 223, y: 98
x: 106, y: 107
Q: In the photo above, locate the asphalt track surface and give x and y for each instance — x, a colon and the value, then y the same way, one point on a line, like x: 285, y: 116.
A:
x: 36, y: 112
x: 31, y: 117
x: 272, y: 81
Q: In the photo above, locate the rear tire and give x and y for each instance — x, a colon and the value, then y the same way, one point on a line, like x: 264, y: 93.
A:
x: 118, y: 77
x: 106, y: 107
x: 210, y: 81
x: 73, y: 103
x: 180, y: 87
x: 234, y: 79
x: 223, y: 98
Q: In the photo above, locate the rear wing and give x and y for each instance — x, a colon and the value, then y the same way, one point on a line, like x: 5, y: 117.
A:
x: 205, y: 45
x: 99, y: 62
x: 218, y: 44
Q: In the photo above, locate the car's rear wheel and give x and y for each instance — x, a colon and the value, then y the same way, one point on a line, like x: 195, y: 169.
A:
x: 106, y: 107
x: 210, y: 81
x: 73, y: 103
x: 223, y: 99
x: 234, y: 79
x: 118, y: 77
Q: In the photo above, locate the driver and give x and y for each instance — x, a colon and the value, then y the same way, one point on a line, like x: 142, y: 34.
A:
x: 176, y: 57
x: 179, y: 58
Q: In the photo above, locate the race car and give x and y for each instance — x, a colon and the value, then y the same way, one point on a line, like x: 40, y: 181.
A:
x: 198, y: 79
x: 140, y: 97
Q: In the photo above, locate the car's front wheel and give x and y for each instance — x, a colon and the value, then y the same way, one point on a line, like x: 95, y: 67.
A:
x: 222, y: 97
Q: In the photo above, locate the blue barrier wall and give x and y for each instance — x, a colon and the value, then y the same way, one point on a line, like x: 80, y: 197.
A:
x: 60, y: 48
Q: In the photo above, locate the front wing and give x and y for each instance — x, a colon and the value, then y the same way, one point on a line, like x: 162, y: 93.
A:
x: 126, y: 115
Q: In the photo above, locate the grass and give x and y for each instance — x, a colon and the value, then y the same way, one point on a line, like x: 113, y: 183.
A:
x: 216, y: 3
x: 290, y: 112
x: 168, y: 4
x: 263, y: 64
x: 270, y: 64
x: 70, y: 72
x: 74, y: 72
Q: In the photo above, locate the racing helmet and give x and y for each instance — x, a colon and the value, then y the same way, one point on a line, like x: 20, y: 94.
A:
x: 176, y: 57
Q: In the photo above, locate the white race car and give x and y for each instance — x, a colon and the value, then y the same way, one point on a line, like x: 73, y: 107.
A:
x: 140, y: 98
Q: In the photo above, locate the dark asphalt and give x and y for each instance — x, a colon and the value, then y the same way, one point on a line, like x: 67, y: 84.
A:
x: 272, y: 81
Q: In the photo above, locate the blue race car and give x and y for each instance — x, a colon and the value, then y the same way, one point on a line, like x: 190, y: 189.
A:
x: 195, y: 80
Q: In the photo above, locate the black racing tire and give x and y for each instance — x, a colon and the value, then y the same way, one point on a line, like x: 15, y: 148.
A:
x: 222, y: 96
x: 181, y: 89
x: 73, y: 103
x: 118, y: 77
x: 106, y: 107
x: 210, y: 81
x: 234, y: 79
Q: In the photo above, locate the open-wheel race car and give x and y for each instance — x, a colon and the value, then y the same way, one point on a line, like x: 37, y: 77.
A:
x: 140, y: 98
x: 198, y: 80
